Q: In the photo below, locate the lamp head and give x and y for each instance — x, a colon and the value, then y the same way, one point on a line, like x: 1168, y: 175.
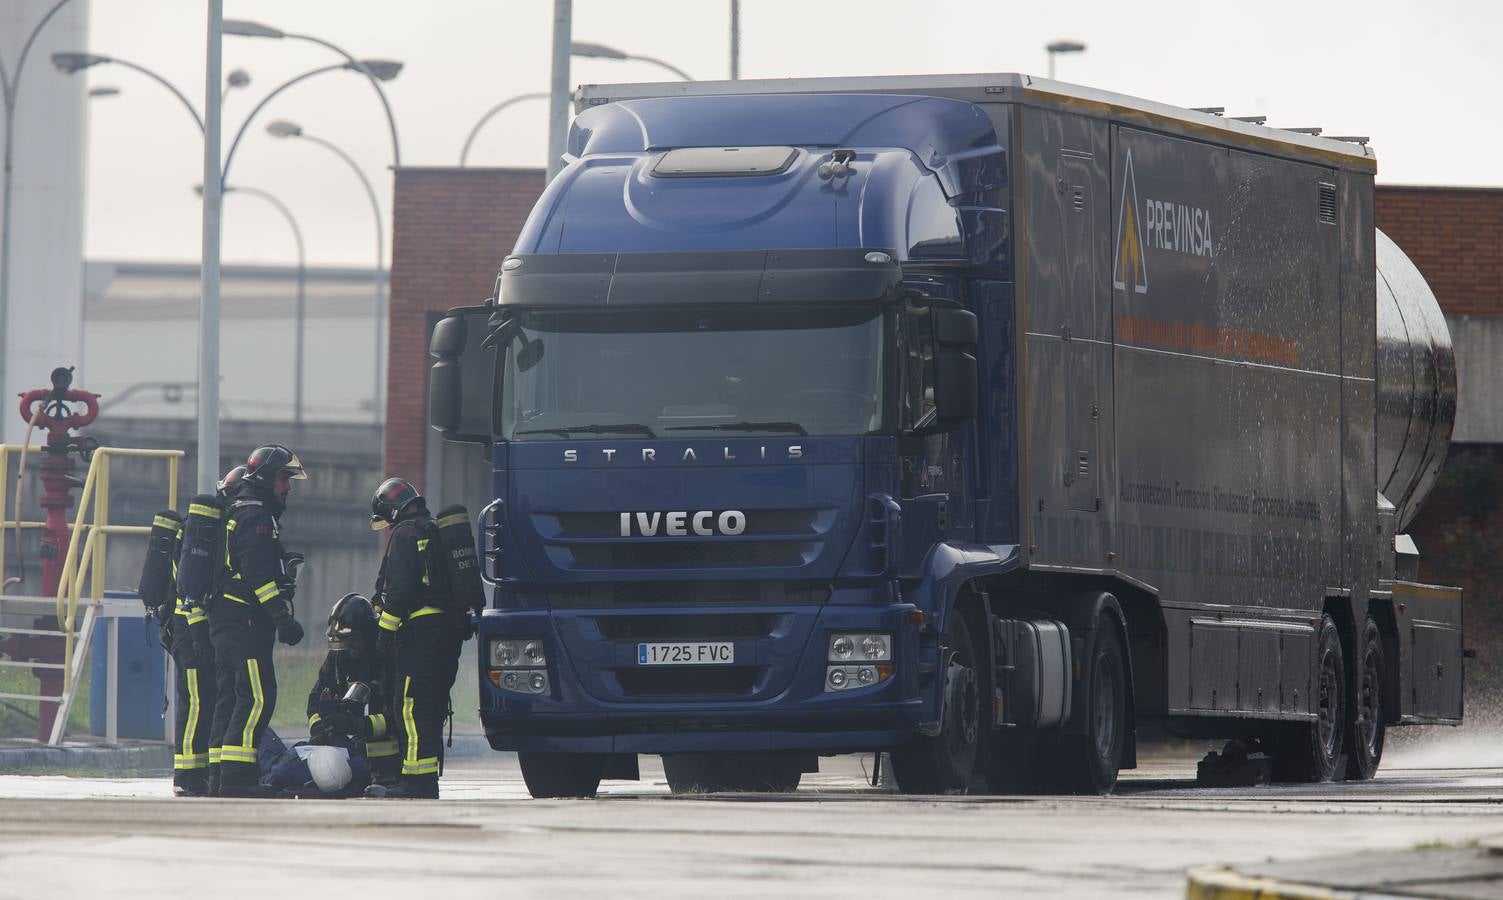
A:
x: 68, y: 63
x: 1065, y: 47
x: 597, y: 51
x: 247, y: 28
x: 383, y: 69
x: 283, y: 129
x: 238, y: 78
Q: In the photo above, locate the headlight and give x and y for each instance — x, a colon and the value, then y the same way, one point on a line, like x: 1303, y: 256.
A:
x: 860, y: 647
x: 507, y: 652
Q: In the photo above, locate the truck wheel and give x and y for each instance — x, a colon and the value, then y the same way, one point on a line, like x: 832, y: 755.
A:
x: 1090, y: 761
x: 1367, y: 730
x: 1312, y: 752
x: 561, y: 774
x: 944, y: 763
x: 742, y: 773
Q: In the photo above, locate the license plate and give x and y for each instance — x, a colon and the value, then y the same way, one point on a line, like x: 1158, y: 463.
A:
x: 693, y: 653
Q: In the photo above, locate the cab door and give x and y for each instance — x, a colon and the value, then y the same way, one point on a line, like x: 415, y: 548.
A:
x: 462, y: 378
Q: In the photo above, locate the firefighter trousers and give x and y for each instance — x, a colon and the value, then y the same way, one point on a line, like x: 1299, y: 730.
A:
x: 247, y: 688
x: 196, y: 695
x: 427, y: 661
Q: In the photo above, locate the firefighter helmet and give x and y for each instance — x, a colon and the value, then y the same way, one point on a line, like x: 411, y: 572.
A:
x: 392, y: 498
x: 264, y: 463
x: 353, y: 615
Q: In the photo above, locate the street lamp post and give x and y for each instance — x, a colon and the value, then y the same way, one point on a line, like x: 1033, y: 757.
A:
x: 489, y: 114
x: 284, y: 129
x: 302, y: 308
x: 70, y: 63
x: 601, y: 51
x: 10, y: 84
x: 1059, y: 47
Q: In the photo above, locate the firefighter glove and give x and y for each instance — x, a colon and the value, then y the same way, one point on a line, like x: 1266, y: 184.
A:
x: 289, y: 631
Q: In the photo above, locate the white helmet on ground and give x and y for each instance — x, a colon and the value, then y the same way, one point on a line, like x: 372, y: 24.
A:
x: 330, y: 768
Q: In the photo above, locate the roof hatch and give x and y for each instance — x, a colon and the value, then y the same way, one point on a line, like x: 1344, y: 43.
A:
x: 701, y: 162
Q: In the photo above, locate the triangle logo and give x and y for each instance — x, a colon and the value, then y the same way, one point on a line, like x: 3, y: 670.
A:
x: 1129, y: 266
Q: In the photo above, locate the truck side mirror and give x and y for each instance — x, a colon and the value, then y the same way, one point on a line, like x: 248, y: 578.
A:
x: 462, y: 376
x: 955, y: 376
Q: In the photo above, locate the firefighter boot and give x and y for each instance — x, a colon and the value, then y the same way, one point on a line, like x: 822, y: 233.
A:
x: 415, y: 787
x: 190, y: 783
x: 242, y: 780
x: 213, y: 779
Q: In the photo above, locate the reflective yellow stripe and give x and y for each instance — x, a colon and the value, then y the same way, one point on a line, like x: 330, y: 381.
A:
x: 237, y: 754
x: 378, y: 725
x: 409, y: 724
x: 390, y: 622
x: 314, y: 719
x: 164, y: 522
x: 214, y: 755
x: 190, y: 760
x: 426, y: 766
x: 195, y: 618
x: 267, y: 592
x: 199, y: 509
x: 453, y: 519
x: 379, y: 749
x: 191, y: 727
x: 248, y: 736
x: 237, y: 599
x: 426, y: 611
x: 422, y: 546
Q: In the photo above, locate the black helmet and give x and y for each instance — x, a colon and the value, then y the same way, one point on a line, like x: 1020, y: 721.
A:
x: 231, y: 479
x: 264, y: 463
x: 391, y: 499
x: 352, y: 615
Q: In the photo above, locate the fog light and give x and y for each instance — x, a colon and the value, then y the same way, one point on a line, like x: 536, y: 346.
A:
x: 511, y: 681
x: 538, y: 682
x: 846, y: 678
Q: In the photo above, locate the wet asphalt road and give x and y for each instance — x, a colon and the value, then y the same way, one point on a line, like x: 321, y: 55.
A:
x: 837, y: 836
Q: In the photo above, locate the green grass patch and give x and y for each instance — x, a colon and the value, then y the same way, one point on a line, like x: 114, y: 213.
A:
x: 18, y: 718
x: 297, y: 670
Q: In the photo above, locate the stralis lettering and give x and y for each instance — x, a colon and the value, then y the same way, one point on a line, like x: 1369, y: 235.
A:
x: 689, y: 454
x: 704, y: 523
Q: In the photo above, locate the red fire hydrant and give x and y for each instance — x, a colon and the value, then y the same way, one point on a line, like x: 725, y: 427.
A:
x: 53, y: 410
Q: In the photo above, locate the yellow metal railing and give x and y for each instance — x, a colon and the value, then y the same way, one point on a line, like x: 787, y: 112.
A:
x: 84, y: 561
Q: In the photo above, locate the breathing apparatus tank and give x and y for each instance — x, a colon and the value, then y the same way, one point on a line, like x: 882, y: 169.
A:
x: 158, y: 587
x: 203, y: 550
x: 461, y: 563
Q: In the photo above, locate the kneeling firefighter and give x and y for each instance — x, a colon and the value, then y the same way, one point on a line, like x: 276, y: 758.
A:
x: 427, y: 589
x: 341, y: 713
x: 252, y: 608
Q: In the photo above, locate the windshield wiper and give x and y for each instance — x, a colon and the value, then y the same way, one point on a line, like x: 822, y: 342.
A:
x: 566, y: 430
x: 793, y: 427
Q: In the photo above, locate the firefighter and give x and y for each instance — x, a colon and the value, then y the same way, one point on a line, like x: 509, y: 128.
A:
x: 253, y: 607
x: 353, y: 659
x: 186, y: 635
x: 417, y: 632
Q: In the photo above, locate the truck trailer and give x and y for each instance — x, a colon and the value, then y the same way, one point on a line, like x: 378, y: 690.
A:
x: 977, y: 420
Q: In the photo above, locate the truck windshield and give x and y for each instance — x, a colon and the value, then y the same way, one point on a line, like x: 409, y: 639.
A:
x: 696, y: 371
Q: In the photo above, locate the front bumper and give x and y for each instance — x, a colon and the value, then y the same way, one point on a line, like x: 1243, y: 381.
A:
x: 600, y: 700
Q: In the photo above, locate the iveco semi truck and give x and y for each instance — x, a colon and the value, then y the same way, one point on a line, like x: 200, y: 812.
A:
x: 976, y: 420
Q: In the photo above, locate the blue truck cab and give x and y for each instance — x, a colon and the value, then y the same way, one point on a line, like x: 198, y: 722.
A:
x: 768, y: 433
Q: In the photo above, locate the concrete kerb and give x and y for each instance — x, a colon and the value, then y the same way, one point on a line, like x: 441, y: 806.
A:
x: 1222, y: 883
x: 155, y: 759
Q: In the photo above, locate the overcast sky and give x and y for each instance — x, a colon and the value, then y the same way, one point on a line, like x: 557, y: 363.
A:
x: 1421, y: 78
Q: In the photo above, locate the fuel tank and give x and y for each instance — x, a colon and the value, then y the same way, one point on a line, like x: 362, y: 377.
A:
x: 1416, y: 390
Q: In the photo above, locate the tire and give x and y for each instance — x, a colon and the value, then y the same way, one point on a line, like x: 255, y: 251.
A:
x: 1313, y: 752
x: 551, y: 775
x: 1366, y: 729
x: 945, y: 762
x: 1018, y: 765
x: 1088, y: 763
x: 742, y: 773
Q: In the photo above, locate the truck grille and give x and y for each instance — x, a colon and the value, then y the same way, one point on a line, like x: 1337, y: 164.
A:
x: 707, y: 627
x: 685, y: 594
x: 689, y: 681
x: 692, y: 555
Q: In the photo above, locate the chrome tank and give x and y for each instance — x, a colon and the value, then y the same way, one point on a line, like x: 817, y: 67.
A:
x: 1416, y: 390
